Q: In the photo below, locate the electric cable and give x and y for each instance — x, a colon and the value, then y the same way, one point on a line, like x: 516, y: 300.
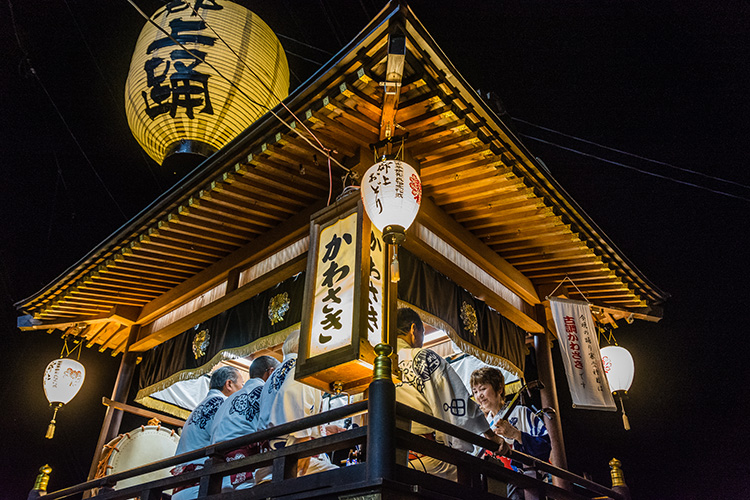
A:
x: 658, y: 162
x: 106, y: 84
x: 33, y: 72
x: 630, y: 167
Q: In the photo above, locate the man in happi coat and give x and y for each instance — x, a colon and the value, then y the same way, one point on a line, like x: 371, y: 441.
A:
x: 430, y: 385
x: 196, y: 433
x: 238, y: 416
x: 285, y: 400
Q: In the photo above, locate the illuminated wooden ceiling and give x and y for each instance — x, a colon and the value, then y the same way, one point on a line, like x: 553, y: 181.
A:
x: 472, y: 167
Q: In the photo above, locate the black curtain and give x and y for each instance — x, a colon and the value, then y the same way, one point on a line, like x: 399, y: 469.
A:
x: 235, y: 327
x: 435, y: 294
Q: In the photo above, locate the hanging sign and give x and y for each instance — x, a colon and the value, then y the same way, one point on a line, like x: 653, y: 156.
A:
x: 344, y: 307
x: 580, y: 352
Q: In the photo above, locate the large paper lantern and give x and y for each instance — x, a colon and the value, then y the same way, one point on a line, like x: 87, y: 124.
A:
x: 63, y: 379
x: 391, y: 192
x: 177, y: 97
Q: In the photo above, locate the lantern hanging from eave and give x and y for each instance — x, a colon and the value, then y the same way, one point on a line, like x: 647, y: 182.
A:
x: 178, y: 96
x: 391, y: 193
x: 619, y: 368
x: 63, y: 379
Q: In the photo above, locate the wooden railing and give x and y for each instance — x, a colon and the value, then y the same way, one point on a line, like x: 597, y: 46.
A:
x: 386, y: 443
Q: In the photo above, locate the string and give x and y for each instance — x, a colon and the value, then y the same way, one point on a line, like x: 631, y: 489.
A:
x: 572, y: 283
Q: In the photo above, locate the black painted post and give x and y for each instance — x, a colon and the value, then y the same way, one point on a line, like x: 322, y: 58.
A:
x: 381, y: 421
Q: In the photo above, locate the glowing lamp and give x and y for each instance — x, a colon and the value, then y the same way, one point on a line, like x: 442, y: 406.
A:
x: 345, y: 300
x: 219, y: 70
x: 63, y: 379
x: 619, y: 368
x: 391, y: 193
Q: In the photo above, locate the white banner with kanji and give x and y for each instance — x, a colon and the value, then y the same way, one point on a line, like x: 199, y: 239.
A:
x: 576, y: 333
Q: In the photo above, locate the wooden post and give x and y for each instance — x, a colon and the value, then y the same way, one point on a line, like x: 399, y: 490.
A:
x: 549, y: 397
x: 113, y: 417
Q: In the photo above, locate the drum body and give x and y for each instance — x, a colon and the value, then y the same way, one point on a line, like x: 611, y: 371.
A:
x: 141, y: 446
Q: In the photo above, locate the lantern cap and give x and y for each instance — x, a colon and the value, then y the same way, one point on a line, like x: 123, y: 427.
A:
x: 394, y: 234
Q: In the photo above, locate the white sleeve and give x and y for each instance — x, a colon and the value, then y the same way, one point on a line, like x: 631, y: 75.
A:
x: 448, y: 397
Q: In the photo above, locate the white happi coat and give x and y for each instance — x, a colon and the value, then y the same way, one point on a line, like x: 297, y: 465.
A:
x: 196, y: 433
x: 430, y: 385
x: 285, y: 400
x: 239, y: 414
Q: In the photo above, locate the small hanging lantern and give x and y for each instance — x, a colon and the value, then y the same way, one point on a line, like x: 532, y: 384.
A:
x: 63, y: 379
x: 391, y: 193
x: 619, y: 367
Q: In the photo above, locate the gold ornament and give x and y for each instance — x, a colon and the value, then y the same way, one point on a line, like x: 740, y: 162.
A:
x: 277, y: 307
x: 469, y: 317
x: 200, y: 343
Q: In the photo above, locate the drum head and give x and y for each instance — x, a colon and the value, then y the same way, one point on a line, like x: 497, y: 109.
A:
x: 139, y: 447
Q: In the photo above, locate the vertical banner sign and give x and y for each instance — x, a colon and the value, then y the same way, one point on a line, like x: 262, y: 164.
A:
x: 580, y: 352
x: 333, y: 303
x: 375, y: 304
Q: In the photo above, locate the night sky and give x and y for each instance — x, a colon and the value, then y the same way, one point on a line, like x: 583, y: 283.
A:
x: 666, y: 81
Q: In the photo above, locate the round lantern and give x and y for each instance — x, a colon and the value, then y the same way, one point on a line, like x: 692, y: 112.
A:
x: 391, y: 193
x: 177, y: 97
x: 63, y: 379
x: 619, y: 368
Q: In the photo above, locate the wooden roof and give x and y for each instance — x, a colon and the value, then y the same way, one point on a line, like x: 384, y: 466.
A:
x: 257, y: 194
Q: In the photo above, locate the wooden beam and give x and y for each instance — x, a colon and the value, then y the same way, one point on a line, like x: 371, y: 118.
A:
x: 165, y: 419
x: 437, y: 221
x: 258, y: 249
x: 229, y: 300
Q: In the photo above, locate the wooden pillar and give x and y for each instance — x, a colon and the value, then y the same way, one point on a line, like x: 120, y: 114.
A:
x: 113, y: 417
x: 549, y: 396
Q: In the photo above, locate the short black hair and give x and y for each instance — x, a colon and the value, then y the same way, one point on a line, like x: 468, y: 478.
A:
x: 260, y: 366
x: 405, y: 318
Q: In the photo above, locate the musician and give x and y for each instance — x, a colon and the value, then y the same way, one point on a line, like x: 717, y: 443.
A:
x: 285, y: 400
x: 430, y: 385
x: 196, y: 433
x: 238, y: 416
x: 521, y: 428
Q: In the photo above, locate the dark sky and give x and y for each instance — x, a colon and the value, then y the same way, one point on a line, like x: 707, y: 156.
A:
x: 661, y: 80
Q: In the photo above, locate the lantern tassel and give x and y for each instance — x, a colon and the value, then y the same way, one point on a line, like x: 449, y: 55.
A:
x: 51, y: 427
x: 625, y: 421
x: 395, y: 269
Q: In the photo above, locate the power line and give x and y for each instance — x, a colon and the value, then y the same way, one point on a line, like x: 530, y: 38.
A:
x: 630, y: 167
x: 632, y: 154
x: 57, y: 110
x: 106, y: 83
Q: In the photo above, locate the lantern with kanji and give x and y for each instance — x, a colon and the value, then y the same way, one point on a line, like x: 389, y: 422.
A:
x: 63, y: 379
x: 392, y: 192
x: 201, y: 73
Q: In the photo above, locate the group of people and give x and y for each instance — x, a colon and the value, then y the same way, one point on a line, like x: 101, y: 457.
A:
x: 272, y: 397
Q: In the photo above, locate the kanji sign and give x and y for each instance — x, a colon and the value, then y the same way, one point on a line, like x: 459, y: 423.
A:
x: 580, y: 352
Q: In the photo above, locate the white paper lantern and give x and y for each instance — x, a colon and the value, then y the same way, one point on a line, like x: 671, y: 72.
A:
x: 391, y: 193
x: 63, y: 379
x: 619, y: 367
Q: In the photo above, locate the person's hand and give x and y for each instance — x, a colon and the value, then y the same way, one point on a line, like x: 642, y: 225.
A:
x: 330, y: 429
x: 503, y: 428
x: 504, y: 446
